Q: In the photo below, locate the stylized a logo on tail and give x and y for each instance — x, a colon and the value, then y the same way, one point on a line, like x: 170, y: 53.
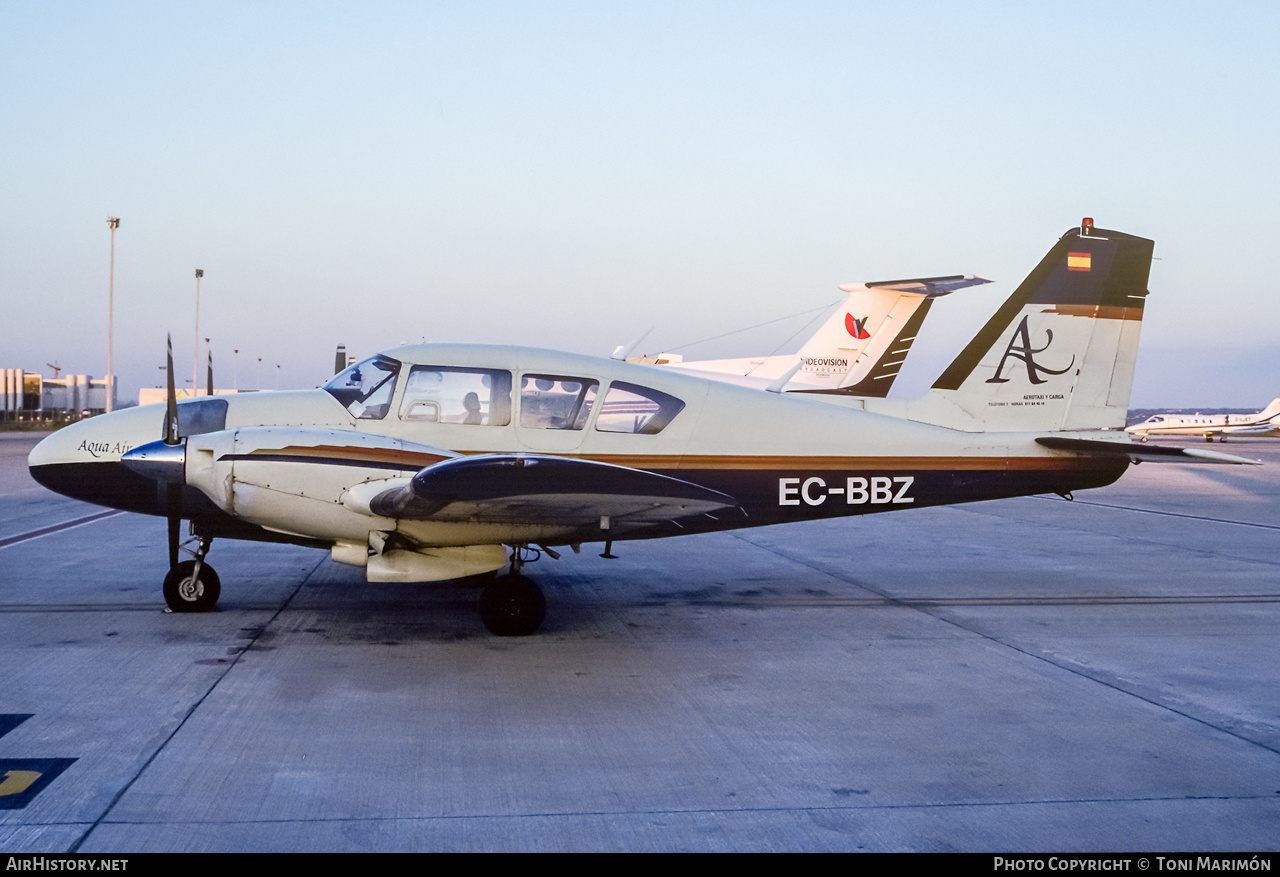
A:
x: 1025, y: 352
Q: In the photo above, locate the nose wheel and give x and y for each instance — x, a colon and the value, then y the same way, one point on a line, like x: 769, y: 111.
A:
x: 192, y: 586
x: 187, y: 589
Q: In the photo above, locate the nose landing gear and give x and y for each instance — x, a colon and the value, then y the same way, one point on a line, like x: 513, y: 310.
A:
x: 193, y: 586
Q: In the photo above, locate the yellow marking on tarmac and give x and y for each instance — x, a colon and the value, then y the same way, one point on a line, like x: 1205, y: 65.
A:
x: 18, y: 781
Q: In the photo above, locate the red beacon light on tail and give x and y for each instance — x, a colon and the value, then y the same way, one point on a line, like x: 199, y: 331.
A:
x: 1086, y: 225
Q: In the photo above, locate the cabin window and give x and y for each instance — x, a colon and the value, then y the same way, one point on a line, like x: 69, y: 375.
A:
x: 630, y: 408
x: 467, y: 396
x: 365, y: 389
x: 556, y: 401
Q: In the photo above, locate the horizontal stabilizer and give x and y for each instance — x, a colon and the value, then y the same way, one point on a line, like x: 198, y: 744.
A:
x: 927, y: 286
x: 535, y: 488
x: 1141, y: 453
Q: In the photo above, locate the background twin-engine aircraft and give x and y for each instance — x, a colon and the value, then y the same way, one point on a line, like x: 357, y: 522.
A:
x: 445, y: 461
x: 859, y: 350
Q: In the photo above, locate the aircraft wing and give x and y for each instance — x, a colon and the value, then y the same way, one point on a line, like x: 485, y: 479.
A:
x: 1259, y: 430
x: 538, y: 488
x: 1140, y: 453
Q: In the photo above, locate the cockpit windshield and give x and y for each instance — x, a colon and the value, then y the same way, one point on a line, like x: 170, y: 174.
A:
x: 365, y: 389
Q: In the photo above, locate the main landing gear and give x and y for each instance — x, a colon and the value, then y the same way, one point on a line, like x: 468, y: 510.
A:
x: 193, y: 586
x: 512, y: 604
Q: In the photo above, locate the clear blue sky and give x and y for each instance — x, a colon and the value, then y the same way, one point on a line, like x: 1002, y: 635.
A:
x: 563, y: 174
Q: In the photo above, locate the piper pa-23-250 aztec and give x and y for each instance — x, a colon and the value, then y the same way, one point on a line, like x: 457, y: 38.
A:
x: 447, y: 461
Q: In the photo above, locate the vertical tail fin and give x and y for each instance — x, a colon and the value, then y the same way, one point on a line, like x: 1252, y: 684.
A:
x: 1059, y: 353
x: 858, y: 350
x: 1271, y: 412
x: 867, y: 340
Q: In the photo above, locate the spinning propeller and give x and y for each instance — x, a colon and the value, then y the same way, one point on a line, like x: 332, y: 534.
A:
x: 173, y: 500
x: 191, y: 586
x: 164, y: 462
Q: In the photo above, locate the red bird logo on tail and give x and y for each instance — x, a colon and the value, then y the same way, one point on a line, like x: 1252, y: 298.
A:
x: 855, y: 326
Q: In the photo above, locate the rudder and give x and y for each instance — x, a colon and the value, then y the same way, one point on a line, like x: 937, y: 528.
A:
x: 1059, y: 354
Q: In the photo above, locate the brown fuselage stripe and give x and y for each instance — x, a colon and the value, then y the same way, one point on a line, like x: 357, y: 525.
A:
x: 725, y: 462
x: 1101, y: 312
x: 373, y: 455
x: 915, y: 464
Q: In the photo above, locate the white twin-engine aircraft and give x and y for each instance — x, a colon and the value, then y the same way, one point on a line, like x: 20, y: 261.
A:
x: 1264, y: 424
x: 447, y: 461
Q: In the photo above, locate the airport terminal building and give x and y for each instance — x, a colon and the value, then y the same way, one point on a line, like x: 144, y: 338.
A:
x: 27, y: 395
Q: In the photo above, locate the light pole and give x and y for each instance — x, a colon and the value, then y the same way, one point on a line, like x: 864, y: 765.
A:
x: 277, y: 375
x: 259, y: 373
x: 113, y: 222
x: 235, y: 364
x: 208, y: 391
x: 195, y: 354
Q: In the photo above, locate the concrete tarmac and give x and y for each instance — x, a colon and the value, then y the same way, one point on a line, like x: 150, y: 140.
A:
x: 1019, y: 675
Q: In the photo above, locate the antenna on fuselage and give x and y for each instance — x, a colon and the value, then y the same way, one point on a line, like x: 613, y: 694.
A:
x: 624, y: 350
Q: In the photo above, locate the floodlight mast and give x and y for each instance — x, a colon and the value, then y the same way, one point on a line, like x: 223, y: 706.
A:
x: 195, y: 354
x: 113, y: 222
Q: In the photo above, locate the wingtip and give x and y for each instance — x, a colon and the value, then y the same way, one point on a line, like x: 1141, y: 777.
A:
x: 1219, y: 457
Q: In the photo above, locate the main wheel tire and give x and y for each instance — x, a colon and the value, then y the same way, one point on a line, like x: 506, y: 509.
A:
x: 184, y: 593
x: 513, y: 606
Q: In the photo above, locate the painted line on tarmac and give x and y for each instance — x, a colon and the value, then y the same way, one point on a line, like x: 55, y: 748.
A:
x: 835, y: 601
x: 1129, y: 508
x: 57, y: 528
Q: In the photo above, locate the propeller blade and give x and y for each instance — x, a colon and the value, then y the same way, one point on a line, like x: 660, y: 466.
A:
x: 170, y: 432
x: 175, y: 521
x: 173, y: 492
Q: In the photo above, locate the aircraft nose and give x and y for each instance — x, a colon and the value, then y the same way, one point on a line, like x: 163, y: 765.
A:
x: 52, y: 464
x: 56, y: 449
x: 82, y: 460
